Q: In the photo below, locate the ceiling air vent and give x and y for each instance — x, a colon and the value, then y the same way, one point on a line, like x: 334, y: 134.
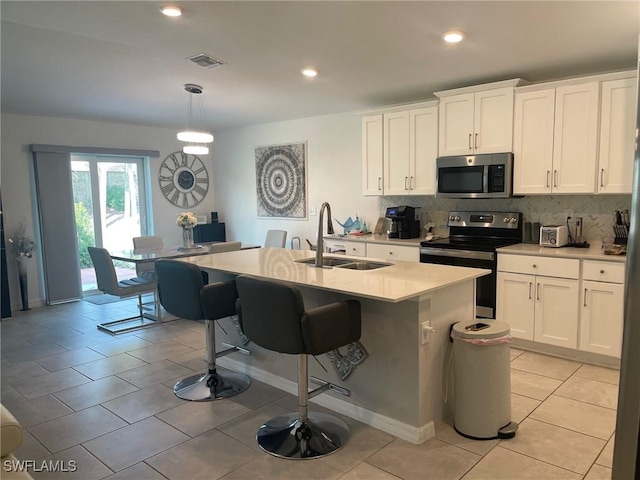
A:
x: 206, y: 61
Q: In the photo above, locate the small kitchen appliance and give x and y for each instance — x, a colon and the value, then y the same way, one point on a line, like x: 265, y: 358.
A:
x: 403, y: 222
x: 554, y: 236
x: 488, y: 175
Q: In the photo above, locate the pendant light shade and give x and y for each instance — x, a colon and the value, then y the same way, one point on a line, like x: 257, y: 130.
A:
x: 197, y: 138
x: 195, y: 149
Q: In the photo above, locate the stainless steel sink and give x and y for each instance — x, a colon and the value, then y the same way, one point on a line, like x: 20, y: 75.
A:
x: 326, y: 261
x: 364, y: 265
x: 350, y: 263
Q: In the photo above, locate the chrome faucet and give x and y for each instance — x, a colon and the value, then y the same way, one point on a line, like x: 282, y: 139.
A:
x: 319, y: 243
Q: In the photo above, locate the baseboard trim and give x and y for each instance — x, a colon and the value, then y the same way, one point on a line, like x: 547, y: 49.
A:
x: 568, y: 353
x: 416, y: 435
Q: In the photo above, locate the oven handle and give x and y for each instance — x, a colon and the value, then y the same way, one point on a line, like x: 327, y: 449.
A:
x: 443, y: 252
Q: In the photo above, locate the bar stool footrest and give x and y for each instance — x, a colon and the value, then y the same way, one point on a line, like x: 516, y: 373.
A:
x: 327, y: 386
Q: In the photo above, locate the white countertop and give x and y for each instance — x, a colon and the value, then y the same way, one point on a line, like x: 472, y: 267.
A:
x: 384, y: 239
x: 395, y: 283
x: 592, y: 253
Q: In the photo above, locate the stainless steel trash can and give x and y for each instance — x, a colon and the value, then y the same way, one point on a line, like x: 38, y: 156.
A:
x: 482, y: 379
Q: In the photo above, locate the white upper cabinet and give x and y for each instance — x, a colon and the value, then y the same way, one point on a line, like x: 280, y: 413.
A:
x: 533, y: 141
x: 404, y: 144
x: 476, y: 122
x: 456, y: 125
x: 423, y: 150
x: 558, y: 127
x: 396, y: 153
x: 575, y: 138
x: 617, y: 136
x: 555, y: 139
x: 410, y: 151
x: 372, y: 142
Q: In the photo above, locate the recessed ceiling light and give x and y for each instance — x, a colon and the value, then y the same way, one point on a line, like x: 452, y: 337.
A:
x: 453, y: 36
x: 309, y: 72
x: 171, y: 11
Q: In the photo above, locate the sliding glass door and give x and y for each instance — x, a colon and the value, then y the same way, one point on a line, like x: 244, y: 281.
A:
x: 110, y: 208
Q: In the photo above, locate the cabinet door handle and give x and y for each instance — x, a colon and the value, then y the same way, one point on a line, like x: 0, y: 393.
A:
x: 412, y: 184
x: 548, y: 172
x: 585, y: 297
x: 530, y: 285
x: 405, y: 183
x: 475, y: 141
x: 601, y: 271
x: 555, y: 178
x: 537, y: 291
x: 379, y: 183
x: 470, y: 147
x: 602, y: 177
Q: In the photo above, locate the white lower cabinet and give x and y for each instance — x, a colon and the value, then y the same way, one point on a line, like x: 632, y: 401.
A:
x: 602, y: 312
x: 357, y: 249
x: 537, y: 308
x: 542, y: 308
x: 556, y: 312
x: 584, y: 311
x: 515, y: 304
x: 393, y: 252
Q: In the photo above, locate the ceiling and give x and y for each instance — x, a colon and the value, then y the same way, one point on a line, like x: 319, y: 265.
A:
x: 125, y: 62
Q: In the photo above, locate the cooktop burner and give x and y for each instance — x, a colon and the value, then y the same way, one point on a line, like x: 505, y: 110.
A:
x: 470, y: 243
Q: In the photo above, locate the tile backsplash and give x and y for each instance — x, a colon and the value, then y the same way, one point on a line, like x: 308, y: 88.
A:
x: 596, y: 210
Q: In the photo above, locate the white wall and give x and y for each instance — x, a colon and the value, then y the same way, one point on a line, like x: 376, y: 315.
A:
x: 334, y: 175
x: 18, y: 196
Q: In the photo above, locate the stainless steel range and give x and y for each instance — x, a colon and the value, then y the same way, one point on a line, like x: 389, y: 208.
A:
x: 472, y: 242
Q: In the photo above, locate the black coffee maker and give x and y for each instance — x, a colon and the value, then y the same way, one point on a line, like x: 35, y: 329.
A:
x: 403, y: 222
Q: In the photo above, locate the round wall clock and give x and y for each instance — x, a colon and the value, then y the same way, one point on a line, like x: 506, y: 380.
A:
x: 184, y: 180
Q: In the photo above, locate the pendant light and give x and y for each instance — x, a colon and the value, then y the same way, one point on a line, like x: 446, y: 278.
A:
x: 196, y: 138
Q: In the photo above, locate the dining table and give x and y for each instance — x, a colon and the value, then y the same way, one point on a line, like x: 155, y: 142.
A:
x: 155, y: 312
x: 145, y: 255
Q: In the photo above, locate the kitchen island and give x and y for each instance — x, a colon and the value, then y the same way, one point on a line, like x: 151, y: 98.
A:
x: 398, y: 388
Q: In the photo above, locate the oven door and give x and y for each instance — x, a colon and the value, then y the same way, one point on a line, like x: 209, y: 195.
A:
x: 485, y: 286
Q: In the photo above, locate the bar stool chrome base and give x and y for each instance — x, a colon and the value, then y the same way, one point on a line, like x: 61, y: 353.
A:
x: 211, y: 386
x: 287, y: 436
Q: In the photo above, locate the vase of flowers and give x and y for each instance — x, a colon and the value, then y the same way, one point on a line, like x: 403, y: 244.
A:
x: 187, y: 220
x: 23, y: 248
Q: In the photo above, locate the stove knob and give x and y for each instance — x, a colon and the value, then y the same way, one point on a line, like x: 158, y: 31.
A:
x: 514, y: 220
x: 505, y: 220
x: 452, y: 218
x: 457, y: 218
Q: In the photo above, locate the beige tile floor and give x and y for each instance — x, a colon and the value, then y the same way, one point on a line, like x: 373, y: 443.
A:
x: 106, y: 403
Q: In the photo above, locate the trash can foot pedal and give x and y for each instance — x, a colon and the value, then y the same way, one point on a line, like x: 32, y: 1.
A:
x: 508, y: 431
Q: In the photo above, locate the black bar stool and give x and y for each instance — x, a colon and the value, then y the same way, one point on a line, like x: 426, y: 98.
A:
x: 272, y: 315
x: 183, y: 294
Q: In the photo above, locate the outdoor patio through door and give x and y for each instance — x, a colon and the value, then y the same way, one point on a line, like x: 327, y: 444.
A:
x: 110, y: 208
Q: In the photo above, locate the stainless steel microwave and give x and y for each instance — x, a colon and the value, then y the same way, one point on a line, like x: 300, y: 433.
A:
x: 475, y: 176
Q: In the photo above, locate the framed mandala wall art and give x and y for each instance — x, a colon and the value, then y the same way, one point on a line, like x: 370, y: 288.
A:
x: 281, y: 181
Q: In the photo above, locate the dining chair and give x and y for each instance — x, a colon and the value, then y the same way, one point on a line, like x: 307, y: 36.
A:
x: 147, y: 270
x: 224, y: 247
x: 276, y: 238
x: 183, y: 294
x: 108, y: 283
